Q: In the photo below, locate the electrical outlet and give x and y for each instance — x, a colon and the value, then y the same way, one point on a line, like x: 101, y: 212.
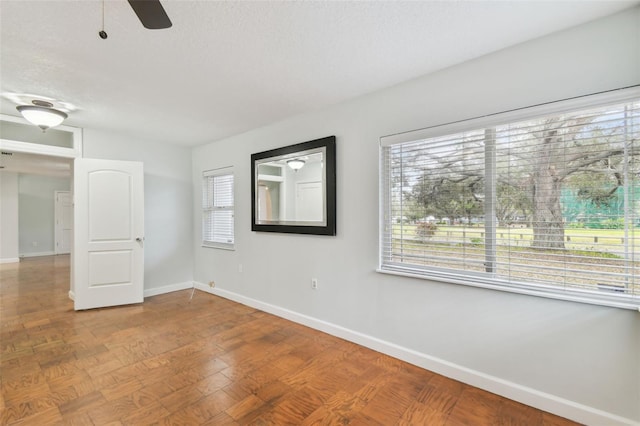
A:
x: 240, y: 267
x: 314, y: 283
x: 212, y: 284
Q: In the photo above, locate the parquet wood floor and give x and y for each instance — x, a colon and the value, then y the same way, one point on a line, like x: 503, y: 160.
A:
x: 209, y: 361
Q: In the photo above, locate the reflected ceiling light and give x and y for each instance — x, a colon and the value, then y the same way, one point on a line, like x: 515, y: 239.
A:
x: 42, y: 114
x: 296, y: 164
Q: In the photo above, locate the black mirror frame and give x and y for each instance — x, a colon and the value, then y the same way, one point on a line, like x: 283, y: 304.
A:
x: 329, y: 143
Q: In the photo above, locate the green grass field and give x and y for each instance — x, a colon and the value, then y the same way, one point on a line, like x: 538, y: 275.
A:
x: 595, y: 256
x: 605, y: 240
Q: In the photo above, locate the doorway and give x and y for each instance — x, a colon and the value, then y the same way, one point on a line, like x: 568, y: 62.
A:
x: 30, y: 152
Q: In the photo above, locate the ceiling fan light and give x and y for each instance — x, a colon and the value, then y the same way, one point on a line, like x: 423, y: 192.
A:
x: 42, y: 117
x: 296, y: 164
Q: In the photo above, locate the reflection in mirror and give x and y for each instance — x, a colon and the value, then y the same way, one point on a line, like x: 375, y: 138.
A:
x: 291, y: 189
x: 294, y: 188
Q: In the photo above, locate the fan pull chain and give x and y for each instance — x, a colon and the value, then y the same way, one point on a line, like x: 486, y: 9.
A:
x: 103, y: 34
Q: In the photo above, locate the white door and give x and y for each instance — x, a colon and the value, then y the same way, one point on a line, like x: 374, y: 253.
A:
x: 64, y: 222
x: 309, y: 201
x: 108, y: 252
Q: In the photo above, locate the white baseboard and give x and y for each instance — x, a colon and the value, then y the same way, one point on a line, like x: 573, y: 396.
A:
x: 154, y: 291
x: 38, y: 254
x: 532, y: 397
x: 10, y: 260
x: 72, y: 295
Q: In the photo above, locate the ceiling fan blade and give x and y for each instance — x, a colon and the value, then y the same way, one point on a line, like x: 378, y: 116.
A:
x: 151, y: 14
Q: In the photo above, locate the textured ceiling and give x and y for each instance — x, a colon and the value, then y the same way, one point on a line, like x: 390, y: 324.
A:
x: 226, y: 67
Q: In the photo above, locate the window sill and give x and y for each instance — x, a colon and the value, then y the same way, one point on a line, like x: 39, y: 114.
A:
x: 227, y: 247
x: 592, y: 298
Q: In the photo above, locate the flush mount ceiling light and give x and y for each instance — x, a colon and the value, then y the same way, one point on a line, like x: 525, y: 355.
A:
x: 42, y: 114
x: 296, y: 164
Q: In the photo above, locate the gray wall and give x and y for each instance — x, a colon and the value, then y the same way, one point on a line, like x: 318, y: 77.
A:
x: 36, y: 213
x: 168, y: 202
x: 8, y: 217
x: 573, y: 353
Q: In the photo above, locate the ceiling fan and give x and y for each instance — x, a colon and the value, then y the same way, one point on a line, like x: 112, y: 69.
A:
x: 151, y: 14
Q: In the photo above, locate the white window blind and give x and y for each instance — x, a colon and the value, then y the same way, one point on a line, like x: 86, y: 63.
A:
x: 217, y: 208
x: 547, y: 206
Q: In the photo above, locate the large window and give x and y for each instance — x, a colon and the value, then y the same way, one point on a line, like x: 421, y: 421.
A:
x: 549, y: 205
x: 217, y: 208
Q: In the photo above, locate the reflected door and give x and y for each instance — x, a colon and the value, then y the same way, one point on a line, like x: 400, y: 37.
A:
x: 309, y: 206
x: 108, y: 263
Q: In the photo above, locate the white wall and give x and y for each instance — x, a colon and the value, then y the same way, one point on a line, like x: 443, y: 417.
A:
x: 578, y: 360
x: 168, y: 204
x: 36, y: 213
x: 8, y: 217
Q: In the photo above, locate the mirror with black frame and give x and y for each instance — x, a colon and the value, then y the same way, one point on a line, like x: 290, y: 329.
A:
x: 293, y: 188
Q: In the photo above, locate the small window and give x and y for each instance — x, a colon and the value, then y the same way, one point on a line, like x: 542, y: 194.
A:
x: 546, y: 206
x: 217, y: 208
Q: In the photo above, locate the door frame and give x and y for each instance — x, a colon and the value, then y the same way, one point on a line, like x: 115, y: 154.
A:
x: 50, y: 151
